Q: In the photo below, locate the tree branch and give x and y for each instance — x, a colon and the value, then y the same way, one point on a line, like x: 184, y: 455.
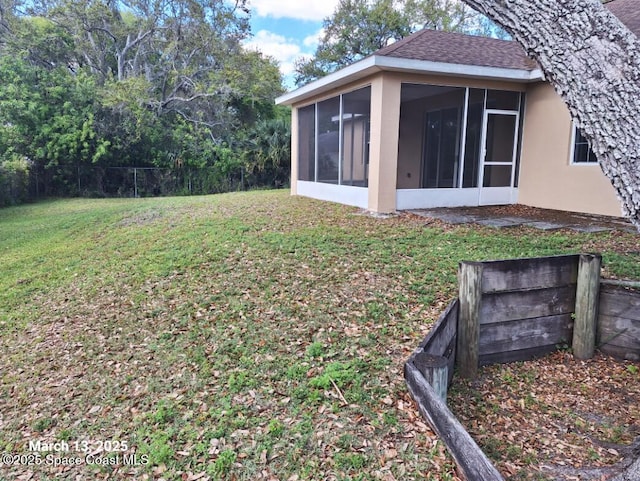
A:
x: 593, y: 62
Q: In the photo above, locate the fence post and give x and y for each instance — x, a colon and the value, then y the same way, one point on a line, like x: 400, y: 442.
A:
x: 587, y: 291
x: 470, y: 294
x: 435, y: 370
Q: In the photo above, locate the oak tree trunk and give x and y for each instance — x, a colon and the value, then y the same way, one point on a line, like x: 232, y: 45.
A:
x: 593, y: 62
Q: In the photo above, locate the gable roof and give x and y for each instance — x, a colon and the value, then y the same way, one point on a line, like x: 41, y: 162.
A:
x: 453, y: 54
x: 459, y: 48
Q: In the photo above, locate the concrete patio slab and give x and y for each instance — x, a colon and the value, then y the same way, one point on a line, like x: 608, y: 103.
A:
x: 544, y: 225
x: 498, y: 222
x: 517, y: 220
x: 449, y: 218
x: 515, y: 215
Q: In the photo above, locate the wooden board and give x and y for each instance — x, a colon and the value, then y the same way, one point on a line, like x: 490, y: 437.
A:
x: 441, y: 339
x: 618, y: 332
x: 517, y: 356
x: 586, y: 313
x: 512, y: 305
x: 525, y: 334
x: 451, y: 355
x: 473, y: 463
x: 531, y: 273
x: 619, y: 322
x: 438, y: 340
x: 619, y: 302
x: 470, y: 297
x: 624, y: 353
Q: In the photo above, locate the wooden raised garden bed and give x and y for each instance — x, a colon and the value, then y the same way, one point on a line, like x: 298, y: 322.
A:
x: 517, y: 310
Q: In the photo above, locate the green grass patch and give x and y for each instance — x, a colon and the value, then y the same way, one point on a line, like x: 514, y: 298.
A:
x: 234, y: 335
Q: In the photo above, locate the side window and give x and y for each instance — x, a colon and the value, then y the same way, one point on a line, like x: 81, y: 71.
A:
x: 582, y: 153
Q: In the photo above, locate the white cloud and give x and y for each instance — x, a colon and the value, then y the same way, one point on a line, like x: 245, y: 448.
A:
x: 284, y: 50
x: 299, y: 9
x: 313, y: 40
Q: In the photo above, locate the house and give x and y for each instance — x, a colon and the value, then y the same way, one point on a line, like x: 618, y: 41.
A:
x: 444, y: 119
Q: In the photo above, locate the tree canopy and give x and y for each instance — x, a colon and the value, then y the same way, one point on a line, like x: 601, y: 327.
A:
x: 358, y: 28
x: 129, y: 83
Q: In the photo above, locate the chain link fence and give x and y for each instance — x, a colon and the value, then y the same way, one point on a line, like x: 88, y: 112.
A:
x: 93, y: 181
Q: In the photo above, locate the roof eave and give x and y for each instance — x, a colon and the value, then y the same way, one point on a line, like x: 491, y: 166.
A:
x: 376, y: 63
x: 351, y: 73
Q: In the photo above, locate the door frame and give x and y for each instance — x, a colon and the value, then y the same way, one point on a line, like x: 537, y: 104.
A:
x: 498, y: 195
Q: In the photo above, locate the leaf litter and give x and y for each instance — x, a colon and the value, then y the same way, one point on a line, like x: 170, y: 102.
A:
x: 244, y: 336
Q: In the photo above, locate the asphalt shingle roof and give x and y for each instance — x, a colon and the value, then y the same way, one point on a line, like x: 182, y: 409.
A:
x: 447, y: 47
x: 457, y: 48
x: 628, y: 11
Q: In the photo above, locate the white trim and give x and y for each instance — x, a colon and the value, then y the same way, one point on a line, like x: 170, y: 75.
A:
x: 377, y: 63
x: 572, y: 150
x: 407, y: 199
x: 344, y: 194
x: 516, y: 136
x: 502, y: 111
x: 498, y: 196
x: 458, y: 70
x: 428, y: 198
x: 572, y: 145
x: 483, y: 142
x: 353, y: 72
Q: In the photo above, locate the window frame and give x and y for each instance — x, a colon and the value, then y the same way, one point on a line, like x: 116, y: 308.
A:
x: 572, y: 151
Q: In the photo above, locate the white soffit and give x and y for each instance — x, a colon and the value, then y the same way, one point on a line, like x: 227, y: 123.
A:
x: 375, y: 63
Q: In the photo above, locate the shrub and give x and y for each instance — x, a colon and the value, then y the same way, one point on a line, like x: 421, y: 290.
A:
x: 14, y: 181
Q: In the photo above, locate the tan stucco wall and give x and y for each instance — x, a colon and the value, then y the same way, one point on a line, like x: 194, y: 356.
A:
x: 547, y: 177
x: 383, y: 146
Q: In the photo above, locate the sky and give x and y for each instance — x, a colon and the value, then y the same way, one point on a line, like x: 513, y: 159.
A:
x: 288, y: 29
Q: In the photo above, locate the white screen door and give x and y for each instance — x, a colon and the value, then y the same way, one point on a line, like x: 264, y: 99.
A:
x: 497, y: 172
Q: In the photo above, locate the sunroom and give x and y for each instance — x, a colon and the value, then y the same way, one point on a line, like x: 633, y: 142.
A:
x: 440, y: 119
x: 458, y: 146
x: 454, y: 146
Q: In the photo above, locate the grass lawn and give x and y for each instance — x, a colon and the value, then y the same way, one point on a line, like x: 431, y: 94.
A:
x: 237, y: 336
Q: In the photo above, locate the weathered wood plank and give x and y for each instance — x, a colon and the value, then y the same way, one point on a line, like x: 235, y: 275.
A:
x: 530, y: 273
x: 620, y: 283
x: 512, y: 305
x: 525, y: 333
x: 619, y: 302
x: 470, y: 296
x: 450, y: 354
x: 473, y: 463
x: 435, y: 371
x: 587, y: 291
x: 517, y: 356
x: 439, y: 338
x: 619, y: 332
x: 625, y: 353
